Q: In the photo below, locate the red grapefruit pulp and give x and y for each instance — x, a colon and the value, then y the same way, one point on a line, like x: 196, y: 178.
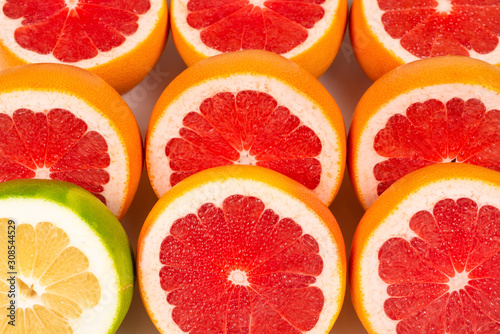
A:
x: 55, y: 145
x: 248, y: 127
x: 240, y: 268
x: 436, y: 131
x: 74, y: 30
x: 232, y: 25
x: 430, y: 28
x: 446, y: 278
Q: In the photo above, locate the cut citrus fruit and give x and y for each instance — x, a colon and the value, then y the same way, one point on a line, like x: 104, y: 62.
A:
x: 241, y: 249
x: 425, y: 255
x: 64, y: 123
x: 305, y: 31
x: 248, y: 107
x: 427, y: 112
x: 120, y: 40
x: 388, y: 33
x: 65, y: 259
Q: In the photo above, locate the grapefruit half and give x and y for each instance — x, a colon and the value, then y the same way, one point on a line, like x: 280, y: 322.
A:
x: 387, y: 33
x: 61, y: 122
x: 120, y: 40
x: 66, y: 264
x: 249, y: 107
x: 241, y: 249
x: 425, y: 255
x: 443, y: 109
x: 307, y: 32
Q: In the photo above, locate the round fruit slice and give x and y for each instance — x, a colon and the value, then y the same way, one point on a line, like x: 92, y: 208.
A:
x: 248, y: 107
x: 120, y: 40
x: 387, y: 33
x: 241, y: 249
x: 66, y: 264
x: 425, y: 256
x: 431, y: 111
x: 61, y: 122
x: 308, y: 32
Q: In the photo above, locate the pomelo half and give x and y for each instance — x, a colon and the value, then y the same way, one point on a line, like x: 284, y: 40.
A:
x: 65, y: 259
x: 241, y: 249
x: 248, y: 107
x: 425, y: 256
x: 120, y: 40
x: 387, y: 33
x: 307, y: 32
x: 443, y: 109
x: 61, y: 122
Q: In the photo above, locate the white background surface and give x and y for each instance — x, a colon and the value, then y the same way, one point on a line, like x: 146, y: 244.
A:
x: 344, y: 80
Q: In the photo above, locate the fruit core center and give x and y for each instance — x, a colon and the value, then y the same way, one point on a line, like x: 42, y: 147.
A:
x: 71, y: 3
x: 42, y: 173
x: 259, y: 3
x: 238, y: 277
x: 444, y: 6
x: 246, y: 158
x: 459, y: 281
x: 26, y: 292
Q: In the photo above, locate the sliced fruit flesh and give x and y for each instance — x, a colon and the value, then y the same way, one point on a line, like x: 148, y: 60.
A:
x: 433, y: 132
x: 52, y: 279
x: 247, y: 127
x: 232, y: 25
x: 447, y: 279
x: 431, y: 28
x: 74, y: 30
x: 240, y: 268
x: 54, y: 144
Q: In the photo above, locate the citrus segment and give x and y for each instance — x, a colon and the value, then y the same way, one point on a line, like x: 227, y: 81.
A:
x: 425, y: 121
x: 50, y: 320
x: 234, y: 261
x: 92, y: 34
x: 406, y: 31
x: 264, y: 119
x: 294, y: 29
x: 66, y: 307
x: 4, y: 300
x: 434, y: 239
x: 84, y: 135
x: 26, y: 238
x: 63, y: 272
